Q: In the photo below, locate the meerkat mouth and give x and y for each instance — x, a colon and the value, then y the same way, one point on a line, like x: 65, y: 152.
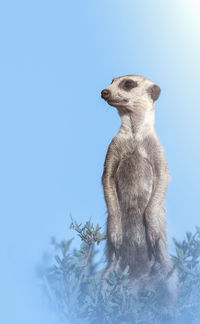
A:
x: 113, y: 102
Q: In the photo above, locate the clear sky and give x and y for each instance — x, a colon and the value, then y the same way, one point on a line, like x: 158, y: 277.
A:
x: 55, y: 58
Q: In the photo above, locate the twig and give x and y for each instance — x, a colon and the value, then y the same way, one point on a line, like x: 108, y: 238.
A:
x: 85, y: 265
x: 115, y: 288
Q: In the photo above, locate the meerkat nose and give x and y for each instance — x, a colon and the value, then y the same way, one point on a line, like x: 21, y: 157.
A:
x: 105, y: 94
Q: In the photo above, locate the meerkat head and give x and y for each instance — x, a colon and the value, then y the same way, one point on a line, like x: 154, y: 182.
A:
x: 131, y: 93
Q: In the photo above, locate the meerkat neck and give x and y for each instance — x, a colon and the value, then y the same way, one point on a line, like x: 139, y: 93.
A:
x: 138, y: 125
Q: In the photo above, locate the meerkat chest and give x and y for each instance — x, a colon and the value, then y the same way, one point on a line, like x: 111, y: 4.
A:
x: 134, y: 162
x: 134, y: 173
x: 129, y: 146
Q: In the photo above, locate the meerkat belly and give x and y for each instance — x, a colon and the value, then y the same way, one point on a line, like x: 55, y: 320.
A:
x: 134, y: 181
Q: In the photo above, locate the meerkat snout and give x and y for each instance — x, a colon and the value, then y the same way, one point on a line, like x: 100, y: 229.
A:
x: 105, y: 94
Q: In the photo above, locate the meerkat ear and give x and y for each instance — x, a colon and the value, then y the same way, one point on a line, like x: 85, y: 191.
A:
x: 154, y: 92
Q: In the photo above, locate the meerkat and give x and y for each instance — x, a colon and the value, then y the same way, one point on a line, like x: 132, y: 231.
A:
x: 135, y: 182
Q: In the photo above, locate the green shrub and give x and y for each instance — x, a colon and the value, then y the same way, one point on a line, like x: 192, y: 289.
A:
x: 73, y: 285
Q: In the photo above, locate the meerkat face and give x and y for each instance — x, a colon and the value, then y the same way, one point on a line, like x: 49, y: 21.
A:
x: 131, y: 92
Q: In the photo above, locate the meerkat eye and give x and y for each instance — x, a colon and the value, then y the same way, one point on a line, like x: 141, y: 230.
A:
x: 129, y: 84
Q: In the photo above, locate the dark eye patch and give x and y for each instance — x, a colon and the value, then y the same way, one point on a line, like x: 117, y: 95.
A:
x: 128, y: 84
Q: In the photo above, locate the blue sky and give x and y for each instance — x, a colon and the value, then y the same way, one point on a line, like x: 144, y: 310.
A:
x: 55, y: 58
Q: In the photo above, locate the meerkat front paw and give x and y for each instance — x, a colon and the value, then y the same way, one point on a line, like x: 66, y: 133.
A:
x: 116, y: 238
x: 153, y: 241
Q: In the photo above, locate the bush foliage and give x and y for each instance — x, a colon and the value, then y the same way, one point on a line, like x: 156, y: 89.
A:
x: 73, y: 285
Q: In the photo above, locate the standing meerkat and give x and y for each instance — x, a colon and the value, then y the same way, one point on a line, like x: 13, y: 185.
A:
x: 135, y: 182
